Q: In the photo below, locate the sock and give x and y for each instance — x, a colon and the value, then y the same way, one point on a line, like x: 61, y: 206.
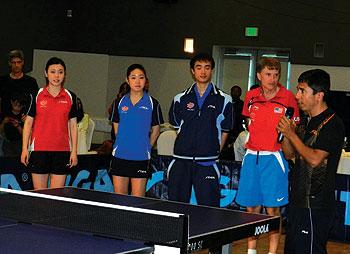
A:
x: 251, y: 251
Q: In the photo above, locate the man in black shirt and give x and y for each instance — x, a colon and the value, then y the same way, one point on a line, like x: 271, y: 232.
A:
x: 16, y: 83
x: 227, y: 152
x: 316, y: 147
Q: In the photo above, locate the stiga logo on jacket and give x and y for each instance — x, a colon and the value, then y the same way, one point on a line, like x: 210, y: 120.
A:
x: 190, y: 105
x: 125, y: 108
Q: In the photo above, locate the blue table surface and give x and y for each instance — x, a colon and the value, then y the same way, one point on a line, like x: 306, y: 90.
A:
x: 31, y: 238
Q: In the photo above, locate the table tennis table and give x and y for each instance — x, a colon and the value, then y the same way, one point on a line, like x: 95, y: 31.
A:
x: 37, y: 239
x: 100, y: 222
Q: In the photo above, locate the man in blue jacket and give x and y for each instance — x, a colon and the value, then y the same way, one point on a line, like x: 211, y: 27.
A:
x: 203, y: 116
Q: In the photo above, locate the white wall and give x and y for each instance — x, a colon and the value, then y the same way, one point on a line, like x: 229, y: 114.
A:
x: 340, y: 76
x: 87, y: 76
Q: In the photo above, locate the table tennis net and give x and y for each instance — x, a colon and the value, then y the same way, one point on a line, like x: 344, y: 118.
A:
x: 95, y: 219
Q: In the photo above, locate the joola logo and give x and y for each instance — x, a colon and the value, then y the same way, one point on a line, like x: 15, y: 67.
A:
x: 261, y: 229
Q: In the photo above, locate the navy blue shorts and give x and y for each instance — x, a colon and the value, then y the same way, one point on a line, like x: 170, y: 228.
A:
x: 43, y: 162
x: 130, y: 168
x: 183, y: 174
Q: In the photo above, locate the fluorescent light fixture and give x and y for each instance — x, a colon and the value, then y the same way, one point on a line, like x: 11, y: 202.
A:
x: 238, y: 54
x: 188, y: 45
x: 275, y: 55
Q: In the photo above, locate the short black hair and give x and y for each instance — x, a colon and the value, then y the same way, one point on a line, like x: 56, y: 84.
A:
x: 202, y: 57
x: 236, y: 87
x: 52, y: 61
x: 55, y: 60
x: 317, y: 79
x: 19, y: 97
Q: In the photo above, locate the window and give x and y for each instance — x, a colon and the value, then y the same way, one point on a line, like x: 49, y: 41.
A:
x: 237, y: 66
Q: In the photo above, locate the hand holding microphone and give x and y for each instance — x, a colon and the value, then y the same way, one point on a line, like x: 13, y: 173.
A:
x: 289, y: 114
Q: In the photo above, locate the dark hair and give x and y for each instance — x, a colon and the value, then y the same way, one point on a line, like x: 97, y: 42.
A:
x: 236, y: 87
x: 205, y: 57
x: 55, y: 60
x: 236, y: 92
x: 317, y: 79
x: 15, y: 53
x: 80, y: 110
x: 134, y: 67
x: 52, y: 61
x: 269, y: 62
x: 19, y: 97
x: 123, y: 89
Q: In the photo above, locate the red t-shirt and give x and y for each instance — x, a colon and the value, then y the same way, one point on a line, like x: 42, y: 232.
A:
x: 264, y: 117
x: 51, y: 115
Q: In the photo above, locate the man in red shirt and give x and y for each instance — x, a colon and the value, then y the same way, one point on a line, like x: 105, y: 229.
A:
x: 264, y: 173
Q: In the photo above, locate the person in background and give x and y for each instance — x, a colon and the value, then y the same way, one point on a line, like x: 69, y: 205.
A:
x: 264, y: 173
x: 124, y: 88
x: 82, y: 125
x: 228, y: 153
x: 237, y: 103
x: 136, y: 119
x: 316, y: 147
x: 241, y: 140
x: 107, y: 145
x: 50, y: 130
x: 11, y: 127
x: 239, y: 144
x: 203, y: 116
x: 17, y: 84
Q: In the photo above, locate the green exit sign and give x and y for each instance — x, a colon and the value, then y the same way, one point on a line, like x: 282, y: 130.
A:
x: 251, y: 31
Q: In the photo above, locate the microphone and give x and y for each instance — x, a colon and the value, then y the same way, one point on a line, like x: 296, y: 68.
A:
x: 289, y: 113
